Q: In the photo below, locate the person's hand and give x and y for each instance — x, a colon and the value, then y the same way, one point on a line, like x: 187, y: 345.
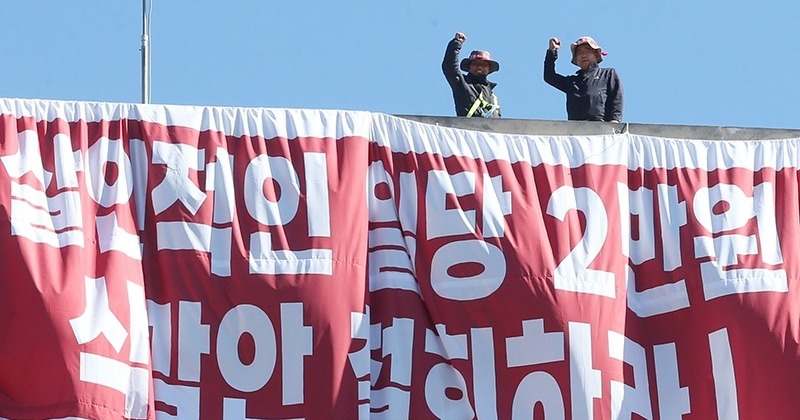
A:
x: 460, y: 37
x: 555, y: 44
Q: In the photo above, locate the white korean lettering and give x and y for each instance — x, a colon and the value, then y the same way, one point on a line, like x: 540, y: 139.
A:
x: 261, y: 171
x: 408, y: 213
x: 656, y: 300
x: 625, y: 399
x: 666, y: 297
x: 496, y: 204
x: 389, y: 261
x: 267, y: 172
x: 103, y: 153
x: 246, y: 377
x: 264, y: 260
x: 535, y: 347
x: 139, y: 331
x: 360, y: 330
x: 484, y: 377
x: 55, y: 221
x: 725, y: 249
x: 443, y: 344
x: 360, y: 360
x: 219, y: 178
x: 139, y: 166
x: 538, y: 387
x: 132, y: 382
x: 42, y: 220
x: 185, y: 399
x: 160, y: 319
x: 573, y: 274
x: 178, y: 184
x: 443, y: 375
x: 395, y: 402
x: 396, y: 341
x: 319, y: 212
x: 636, y: 203
x: 673, y: 399
x: 112, y: 237
x: 182, y: 235
x: 200, y: 237
x: 476, y: 286
x: 98, y: 319
x: 724, y: 375
x: 297, y: 341
x: 67, y: 162
x: 672, y: 215
x: 193, y: 340
x: 584, y: 379
x: 441, y: 194
x: 28, y: 159
x: 235, y: 409
x: 380, y: 194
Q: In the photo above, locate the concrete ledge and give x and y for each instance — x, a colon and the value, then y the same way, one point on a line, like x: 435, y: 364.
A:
x: 563, y: 128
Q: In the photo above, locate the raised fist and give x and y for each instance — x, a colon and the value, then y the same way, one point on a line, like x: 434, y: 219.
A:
x: 555, y: 44
x: 460, y: 37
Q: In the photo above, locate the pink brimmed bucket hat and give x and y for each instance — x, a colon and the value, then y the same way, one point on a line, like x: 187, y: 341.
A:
x: 480, y: 55
x: 592, y: 43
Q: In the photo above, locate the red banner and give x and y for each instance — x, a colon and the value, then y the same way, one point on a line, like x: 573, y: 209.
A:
x: 182, y: 262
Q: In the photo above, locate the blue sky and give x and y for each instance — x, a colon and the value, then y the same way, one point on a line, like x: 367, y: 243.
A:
x: 690, y: 62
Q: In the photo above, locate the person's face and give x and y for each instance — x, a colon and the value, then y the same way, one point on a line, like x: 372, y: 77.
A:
x: 479, y: 67
x: 585, y: 56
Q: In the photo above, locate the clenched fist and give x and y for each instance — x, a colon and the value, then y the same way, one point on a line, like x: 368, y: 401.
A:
x: 555, y: 44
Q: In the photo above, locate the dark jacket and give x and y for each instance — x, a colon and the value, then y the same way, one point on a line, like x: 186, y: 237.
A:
x: 467, y: 88
x: 592, y: 96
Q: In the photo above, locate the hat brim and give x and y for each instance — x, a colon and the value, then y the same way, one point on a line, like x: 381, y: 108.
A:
x: 493, y: 65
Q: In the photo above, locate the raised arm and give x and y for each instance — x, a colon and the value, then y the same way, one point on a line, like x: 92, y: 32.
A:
x: 614, y: 101
x: 550, y: 76
x: 450, y: 61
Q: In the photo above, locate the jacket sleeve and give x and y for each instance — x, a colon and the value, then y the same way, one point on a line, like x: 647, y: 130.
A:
x: 550, y: 76
x: 450, y: 62
x: 614, y: 102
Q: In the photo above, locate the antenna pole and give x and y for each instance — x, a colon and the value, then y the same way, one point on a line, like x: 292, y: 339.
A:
x: 145, y: 52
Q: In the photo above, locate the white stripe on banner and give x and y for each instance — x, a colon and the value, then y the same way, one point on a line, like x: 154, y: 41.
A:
x: 227, y: 120
x: 401, y: 135
x: 630, y: 150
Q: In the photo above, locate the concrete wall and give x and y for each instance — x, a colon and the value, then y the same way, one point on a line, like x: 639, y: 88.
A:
x: 545, y: 127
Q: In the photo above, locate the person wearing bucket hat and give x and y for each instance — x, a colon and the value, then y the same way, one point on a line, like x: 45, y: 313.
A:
x: 473, y: 94
x: 593, y: 93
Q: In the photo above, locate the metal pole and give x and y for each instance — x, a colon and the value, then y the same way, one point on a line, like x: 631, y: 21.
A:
x: 145, y: 53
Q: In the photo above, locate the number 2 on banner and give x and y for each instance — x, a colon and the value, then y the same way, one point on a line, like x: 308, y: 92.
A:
x: 573, y: 274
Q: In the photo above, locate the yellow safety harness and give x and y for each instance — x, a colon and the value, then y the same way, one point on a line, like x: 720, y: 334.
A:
x: 486, y: 108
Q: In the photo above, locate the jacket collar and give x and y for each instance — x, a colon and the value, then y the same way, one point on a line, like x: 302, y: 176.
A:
x: 478, y: 80
x: 589, y: 72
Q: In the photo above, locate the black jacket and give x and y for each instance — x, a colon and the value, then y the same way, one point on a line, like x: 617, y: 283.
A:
x: 592, y: 96
x: 466, y: 87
